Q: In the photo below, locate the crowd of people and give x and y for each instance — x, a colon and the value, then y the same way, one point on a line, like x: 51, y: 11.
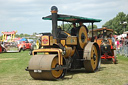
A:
x: 122, y: 45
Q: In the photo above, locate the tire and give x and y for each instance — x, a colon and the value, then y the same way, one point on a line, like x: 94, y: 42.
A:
x: 20, y: 49
x: 24, y: 48
x: 30, y: 52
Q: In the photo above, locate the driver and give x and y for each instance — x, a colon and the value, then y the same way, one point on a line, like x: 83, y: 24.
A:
x: 73, y: 30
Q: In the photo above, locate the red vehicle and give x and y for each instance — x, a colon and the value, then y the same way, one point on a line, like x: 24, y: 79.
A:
x: 103, y: 38
x: 24, y: 45
x: 0, y: 49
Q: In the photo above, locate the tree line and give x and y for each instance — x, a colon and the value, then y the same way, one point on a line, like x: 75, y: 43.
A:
x: 23, y: 35
x: 119, y: 23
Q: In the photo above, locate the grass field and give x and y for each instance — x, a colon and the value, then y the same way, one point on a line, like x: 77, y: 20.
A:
x: 12, y: 72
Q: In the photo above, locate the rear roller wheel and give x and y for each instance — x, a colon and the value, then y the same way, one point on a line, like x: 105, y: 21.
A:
x: 92, y: 64
x: 49, y: 74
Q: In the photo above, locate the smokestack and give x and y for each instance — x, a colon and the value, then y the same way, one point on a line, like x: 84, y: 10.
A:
x: 54, y: 11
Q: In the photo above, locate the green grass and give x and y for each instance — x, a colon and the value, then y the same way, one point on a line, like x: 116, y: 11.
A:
x: 12, y: 72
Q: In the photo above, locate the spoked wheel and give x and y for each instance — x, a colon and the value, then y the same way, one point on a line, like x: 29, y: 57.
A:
x: 82, y: 34
x: 48, y: 63
x: 93, y: 61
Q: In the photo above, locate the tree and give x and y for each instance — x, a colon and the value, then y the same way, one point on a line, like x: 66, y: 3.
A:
x: 117, y: 23
x: 22, y: 35
x: 35, y: 33
x: 90, y: 26
x: 66, y: 27
x: 1, y: 37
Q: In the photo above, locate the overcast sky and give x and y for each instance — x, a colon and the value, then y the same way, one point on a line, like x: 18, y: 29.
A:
x: 25, y: 16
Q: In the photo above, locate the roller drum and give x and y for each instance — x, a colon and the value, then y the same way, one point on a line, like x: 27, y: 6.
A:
x: 45, y: 63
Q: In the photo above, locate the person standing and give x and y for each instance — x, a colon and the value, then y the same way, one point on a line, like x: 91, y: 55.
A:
x: 117, y: 45
x: 126, y: 45
x: 121, y: 45
x: 113, y: 39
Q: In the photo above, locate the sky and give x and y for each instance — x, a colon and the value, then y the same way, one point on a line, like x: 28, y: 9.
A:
x: 25, y: 16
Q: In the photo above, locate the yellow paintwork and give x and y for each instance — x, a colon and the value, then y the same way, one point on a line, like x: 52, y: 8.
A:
x: 63, y: 42
x: 83, y: 30
x: 37, y: 44
x: 56, y: 50
x: 94, y: 62
x: 67, y: 33
x: 12, y: 37
x: 53, y: 65
x: 69, y: 51
x: 46, y: 43
x: 67, y: 42
x: 71, y: 40
x: 50, y: 41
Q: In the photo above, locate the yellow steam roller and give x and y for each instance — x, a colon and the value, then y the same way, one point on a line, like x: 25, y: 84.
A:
x: 65, y: 48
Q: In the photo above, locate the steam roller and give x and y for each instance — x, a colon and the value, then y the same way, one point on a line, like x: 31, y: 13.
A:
x: 63, y: 51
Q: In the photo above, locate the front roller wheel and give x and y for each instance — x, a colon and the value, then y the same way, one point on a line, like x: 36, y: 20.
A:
x: 56, y: 73
x: 48, y: 74
x: 92, y: 63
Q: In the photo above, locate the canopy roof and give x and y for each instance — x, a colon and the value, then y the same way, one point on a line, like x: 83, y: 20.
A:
x: 125, y: 32
x: 9, y: 33
x: 23, y: 39
x: 70, y: 18
x: 100, y: 29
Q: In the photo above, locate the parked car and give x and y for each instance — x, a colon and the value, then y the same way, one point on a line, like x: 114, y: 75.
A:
x: 23, y: 45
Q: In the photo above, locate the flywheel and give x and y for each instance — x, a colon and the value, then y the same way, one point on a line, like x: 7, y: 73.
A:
x: 92, y: 57
x: 82, y: 34
x: 46, y: 65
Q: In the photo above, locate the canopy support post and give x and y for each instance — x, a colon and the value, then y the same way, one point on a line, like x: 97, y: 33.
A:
x: 63, y: 25
x: 92, y: 39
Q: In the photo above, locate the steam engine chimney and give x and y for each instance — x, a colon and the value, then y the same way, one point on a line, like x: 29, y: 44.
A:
x: 54, y: 11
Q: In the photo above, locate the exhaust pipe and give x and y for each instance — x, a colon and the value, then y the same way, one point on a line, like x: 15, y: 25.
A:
x: 54, y: 11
